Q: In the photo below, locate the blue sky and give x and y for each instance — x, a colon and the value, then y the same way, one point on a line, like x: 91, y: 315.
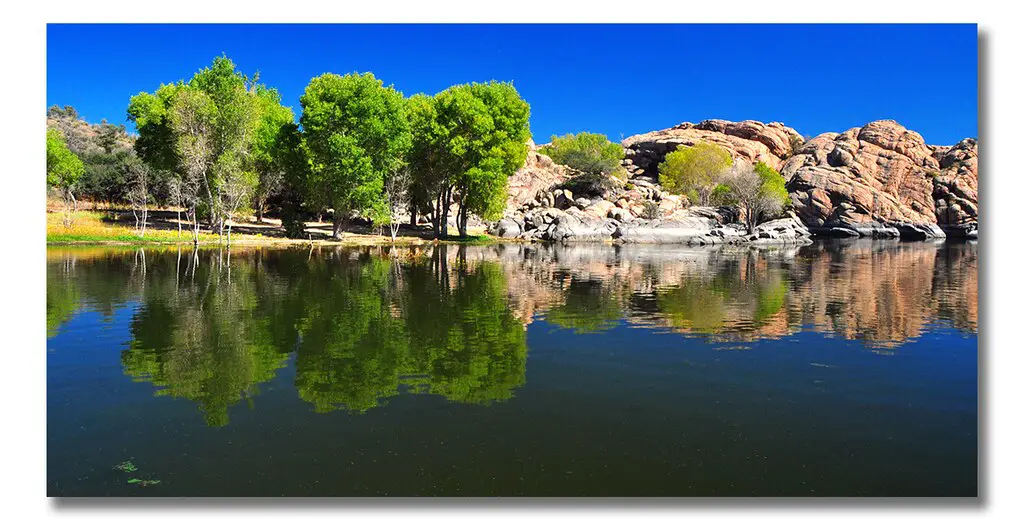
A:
x: 617, y: 80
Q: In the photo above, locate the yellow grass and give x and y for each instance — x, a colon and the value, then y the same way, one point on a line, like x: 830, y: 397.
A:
x: 90, y: 227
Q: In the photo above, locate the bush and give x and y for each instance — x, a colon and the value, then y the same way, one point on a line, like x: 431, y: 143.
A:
x: 586, y: 152
x: 651, y: 211
x: 722, y: 196
x: 795, y: 144
x: 588, y: 185
x: 695, y: 169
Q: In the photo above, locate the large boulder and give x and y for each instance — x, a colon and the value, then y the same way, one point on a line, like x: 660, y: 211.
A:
x: 678, y: 231
x: 568, y: 227
x: 748, y: 140
x: 508, y: 228
x: 881, y: 180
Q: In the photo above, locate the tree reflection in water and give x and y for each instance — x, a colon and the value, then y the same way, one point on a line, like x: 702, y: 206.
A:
x: 367, y: 324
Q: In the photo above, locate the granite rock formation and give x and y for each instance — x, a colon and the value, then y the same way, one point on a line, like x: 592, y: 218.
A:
x: 881, y: 180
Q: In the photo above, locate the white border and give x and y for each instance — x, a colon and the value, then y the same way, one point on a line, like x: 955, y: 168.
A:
x: 22, y: 42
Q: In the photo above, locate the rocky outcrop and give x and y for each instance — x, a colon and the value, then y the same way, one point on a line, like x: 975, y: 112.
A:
x: 785, y: 231
x: 955, y: 189
x: 881, y: 180
x: 538, y: 174
x: 752, y: 141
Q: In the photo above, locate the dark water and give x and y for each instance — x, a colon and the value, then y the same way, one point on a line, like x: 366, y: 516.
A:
x: 833, y: 369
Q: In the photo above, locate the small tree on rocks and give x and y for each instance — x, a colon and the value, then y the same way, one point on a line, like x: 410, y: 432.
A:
x: 759, y: 190
x: 698, y: 168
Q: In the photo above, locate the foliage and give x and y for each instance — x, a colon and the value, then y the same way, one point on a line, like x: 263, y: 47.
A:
x: 63, y: 167
x: 356, y: 133
x: 796, y: 143
x: 760, y: 191
x: 270, y: 155
x: 651, y: 210
x: 699, y: 167
x: 586, y: 152
x: 479, y: 139
x: 63, y: 170
x: 722, y: 196
x: 216, y: 133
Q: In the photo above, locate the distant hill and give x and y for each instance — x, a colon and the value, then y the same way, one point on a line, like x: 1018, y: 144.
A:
x: 84, y: 138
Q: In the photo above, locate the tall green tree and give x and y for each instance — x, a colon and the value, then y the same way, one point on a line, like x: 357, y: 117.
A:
x: 427, y: 178
x: 483, y: 130
x: 270, y: 160
x: 697, y: 168
x: 356, y: 132
x: 213, y: 132
x: 63, y: 170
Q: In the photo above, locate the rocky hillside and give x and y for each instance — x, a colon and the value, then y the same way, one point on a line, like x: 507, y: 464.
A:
x: 880, y: 180
x: 84, y: 138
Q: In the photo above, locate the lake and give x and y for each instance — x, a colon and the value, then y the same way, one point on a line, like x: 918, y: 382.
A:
x: 843, y: 368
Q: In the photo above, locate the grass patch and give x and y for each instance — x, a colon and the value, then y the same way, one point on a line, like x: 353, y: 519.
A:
x: 471, y: 239
x: 90, y: 227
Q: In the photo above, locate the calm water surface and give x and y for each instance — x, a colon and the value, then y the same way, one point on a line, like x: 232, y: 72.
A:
x: 841, y: 368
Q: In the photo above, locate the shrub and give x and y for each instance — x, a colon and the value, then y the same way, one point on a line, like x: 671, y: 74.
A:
x: 588, y: 185
x: 586, y: 152
x: 795, y: 144
x: 722, y: 196
x: 651, y: 211
x: 759, y: 190
x: 697, y: 169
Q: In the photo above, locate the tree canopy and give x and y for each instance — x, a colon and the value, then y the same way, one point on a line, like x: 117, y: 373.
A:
x: 63, y: 167
x: 696, y: 168
x: 479, y: 137
x: 214, y: 132
x: 356, y: 132
x: 586, y: 152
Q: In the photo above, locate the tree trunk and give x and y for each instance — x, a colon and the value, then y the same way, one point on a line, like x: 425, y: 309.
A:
x: 339, y: 220
x: 412, y: 215
x: 445, y: 209
x: 463, y: 221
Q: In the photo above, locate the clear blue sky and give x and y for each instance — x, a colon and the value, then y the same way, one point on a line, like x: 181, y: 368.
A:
x: 618, y: 80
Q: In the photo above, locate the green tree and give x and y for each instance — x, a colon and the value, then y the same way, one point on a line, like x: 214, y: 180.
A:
x: 63, y: 170
x: 760, y: 192
x: 479, y: 140
x: 356, y: 133
x: 586, y: 152
x: 427, y: 178
x: 213, y: 133
x: 269, y: 157
x: 699, y: 167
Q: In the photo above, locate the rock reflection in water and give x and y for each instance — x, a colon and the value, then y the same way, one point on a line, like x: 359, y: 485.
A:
x: 366, y: 324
